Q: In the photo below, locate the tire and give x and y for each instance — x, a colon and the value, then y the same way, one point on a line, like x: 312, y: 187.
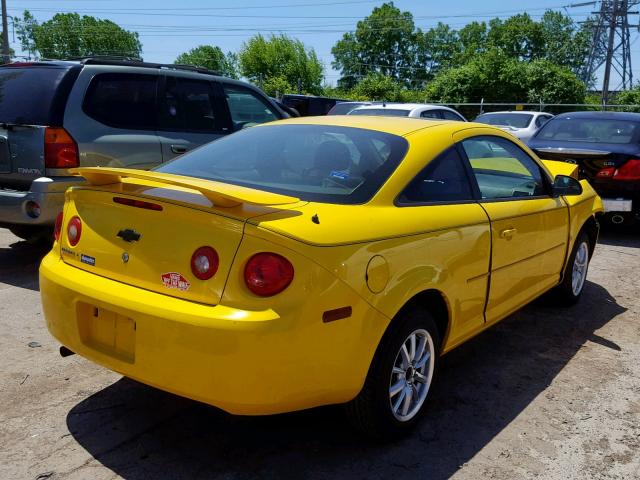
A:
x: 35, y: 235
x: 569, y: 291
x: 372, y: 412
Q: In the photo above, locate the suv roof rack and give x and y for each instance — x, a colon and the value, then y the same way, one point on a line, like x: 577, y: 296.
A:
x: 138, y: 62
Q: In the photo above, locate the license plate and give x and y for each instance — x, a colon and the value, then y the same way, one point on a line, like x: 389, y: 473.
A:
x: 107, y: 332
x: 616, y: 205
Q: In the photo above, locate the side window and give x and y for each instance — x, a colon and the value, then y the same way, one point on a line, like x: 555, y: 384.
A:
x: 447, y: 115
x: 443, y: 180
x: 502, y: 169
x: 122, y: 100
x: 430, y: 114
x: 541, y: 120
x: 247, y: 108
x: 190, y: 106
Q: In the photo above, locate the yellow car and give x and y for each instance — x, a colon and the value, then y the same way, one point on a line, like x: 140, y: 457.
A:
x: 314, y: 261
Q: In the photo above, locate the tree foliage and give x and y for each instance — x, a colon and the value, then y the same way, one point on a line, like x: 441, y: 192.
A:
x: 71, y: 35
x: 286, y: 59
x: 211, y: 57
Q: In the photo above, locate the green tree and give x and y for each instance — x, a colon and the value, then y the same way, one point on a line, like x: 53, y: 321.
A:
x: 25, y: 27
x: 211, y: 57
x: 517, y: 37
x: 566, y: 44
x: 496, y: 77
x: 377, y: 86
x: 262, y: 60
x: 384, y: 42
x: 70, y: 35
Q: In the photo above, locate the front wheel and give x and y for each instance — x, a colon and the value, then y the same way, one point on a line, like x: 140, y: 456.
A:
x: 399, y: 381
x: 575, y: 275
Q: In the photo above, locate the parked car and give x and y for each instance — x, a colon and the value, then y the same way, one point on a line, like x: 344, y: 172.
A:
x: 606, y: 148
x: 343, y: 108
x: 314, y: 261
x: 521, y: 124
x: 414, y: 110
x: 56, y: 115
x: 309, y: 105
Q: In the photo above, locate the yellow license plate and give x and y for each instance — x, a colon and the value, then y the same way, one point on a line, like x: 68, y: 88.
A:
x: 107, y: 332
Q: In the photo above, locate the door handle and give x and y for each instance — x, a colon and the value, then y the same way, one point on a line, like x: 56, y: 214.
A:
x: 508, y: 233
x: 178, y: 149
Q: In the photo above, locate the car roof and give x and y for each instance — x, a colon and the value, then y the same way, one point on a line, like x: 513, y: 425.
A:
x: 406, y: 106
x: 394, y: 125
x: 517, y: 112
x: 601, y: 115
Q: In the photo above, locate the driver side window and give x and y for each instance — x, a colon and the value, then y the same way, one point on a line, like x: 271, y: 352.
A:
x: 502, y: 169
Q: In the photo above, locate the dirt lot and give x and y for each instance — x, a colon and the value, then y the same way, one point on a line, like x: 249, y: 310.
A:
x: 549, y: 393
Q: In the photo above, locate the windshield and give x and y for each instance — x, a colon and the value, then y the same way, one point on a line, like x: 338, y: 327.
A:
x: 516, y: 120
x: 381, y: 112
x: 33, y: 95
x: 312, y: 162
x: 590, y: 130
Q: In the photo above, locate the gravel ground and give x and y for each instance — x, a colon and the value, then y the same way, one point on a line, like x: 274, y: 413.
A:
x: 549, y: 393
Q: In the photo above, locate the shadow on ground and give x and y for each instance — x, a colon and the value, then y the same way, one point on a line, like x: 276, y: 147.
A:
x: 19, y: 263
x: 139, y: 432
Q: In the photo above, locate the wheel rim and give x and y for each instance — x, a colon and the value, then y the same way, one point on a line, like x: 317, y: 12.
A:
x: 411, y: 375
x: 580, y: 264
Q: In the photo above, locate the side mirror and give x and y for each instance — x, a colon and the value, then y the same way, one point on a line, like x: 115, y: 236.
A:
x: 564, y: 185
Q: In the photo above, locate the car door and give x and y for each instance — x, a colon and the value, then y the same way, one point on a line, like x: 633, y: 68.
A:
x: 112, y: 118
x: 529, y: 228
x: 190, y: 114
x: 457, y: 253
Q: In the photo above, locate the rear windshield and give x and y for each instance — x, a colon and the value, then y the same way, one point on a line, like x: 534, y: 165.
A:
x: 590, y: 130
x: 33, y: 95
x: 516, y: 120
x: 312, y: 162
x: 381, y: 112
x: 344, y: 108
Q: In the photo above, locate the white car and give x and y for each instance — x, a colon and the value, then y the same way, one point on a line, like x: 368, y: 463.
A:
x: 520, y: 124
x: 415, y: 110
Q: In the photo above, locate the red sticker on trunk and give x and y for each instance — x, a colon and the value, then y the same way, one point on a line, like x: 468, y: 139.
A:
x: 175, y: 280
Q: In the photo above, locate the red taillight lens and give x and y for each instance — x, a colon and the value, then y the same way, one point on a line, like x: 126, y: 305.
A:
x: 606, y: 172
x: 74, y: 230
x: 60, y: 150
x: 628, y: 171
x: 267, y: 274
x: 204, y: 263
x: 57, y: 229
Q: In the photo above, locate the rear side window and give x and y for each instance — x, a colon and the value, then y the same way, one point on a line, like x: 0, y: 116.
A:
x: 443, y: 180
x: 123, y: 100
x: 247, y: 108
x: 430, y: 114
x: 35, y: 95
x: 447, y: 115
x: 190, y: 106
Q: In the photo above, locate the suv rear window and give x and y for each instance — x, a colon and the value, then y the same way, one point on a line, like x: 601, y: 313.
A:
x: 34, y: 95
x: 312, y: 162
x: 122, y: 100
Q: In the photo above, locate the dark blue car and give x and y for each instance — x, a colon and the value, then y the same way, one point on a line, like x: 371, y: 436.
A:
x: 606, y: 148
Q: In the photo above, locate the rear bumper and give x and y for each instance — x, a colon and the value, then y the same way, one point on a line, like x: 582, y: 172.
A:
x: 245, y: 362
x: 47, y: 192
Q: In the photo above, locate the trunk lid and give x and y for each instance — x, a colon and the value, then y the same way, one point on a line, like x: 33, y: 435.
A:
x: 152, y: 248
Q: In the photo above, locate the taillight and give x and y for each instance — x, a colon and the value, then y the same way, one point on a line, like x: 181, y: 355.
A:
x: 60, y: 150
x: 74, y: 230
x: 267, y: 274
x: 606, y: 172
x: 57, y: 229
x: 204, y: 263
x: 628, y: 171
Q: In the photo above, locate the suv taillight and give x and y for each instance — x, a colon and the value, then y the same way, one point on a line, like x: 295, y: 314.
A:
x: 628, y: 171
x: 60, y: 150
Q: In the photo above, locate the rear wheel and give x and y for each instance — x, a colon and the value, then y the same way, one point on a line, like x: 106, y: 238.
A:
x: 400, y: 378
x: 575, y: 275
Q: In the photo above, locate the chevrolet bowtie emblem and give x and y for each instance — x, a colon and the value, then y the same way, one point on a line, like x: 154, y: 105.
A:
x: 129, y: 235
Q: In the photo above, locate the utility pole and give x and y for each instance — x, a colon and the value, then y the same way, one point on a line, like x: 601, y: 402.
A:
x: 6, y: 55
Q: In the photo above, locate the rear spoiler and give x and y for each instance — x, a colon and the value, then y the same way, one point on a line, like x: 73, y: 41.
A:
x: 221, y: 194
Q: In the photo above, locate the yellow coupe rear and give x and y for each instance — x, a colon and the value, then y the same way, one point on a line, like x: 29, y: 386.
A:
x: 314, y: 261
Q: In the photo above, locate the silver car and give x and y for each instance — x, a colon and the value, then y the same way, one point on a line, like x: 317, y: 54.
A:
x: 518, y: 123
x: 56, y: 115
x: 414, y: 110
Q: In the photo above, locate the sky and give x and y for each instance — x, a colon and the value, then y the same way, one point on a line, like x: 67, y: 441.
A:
x: 166, y: 30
